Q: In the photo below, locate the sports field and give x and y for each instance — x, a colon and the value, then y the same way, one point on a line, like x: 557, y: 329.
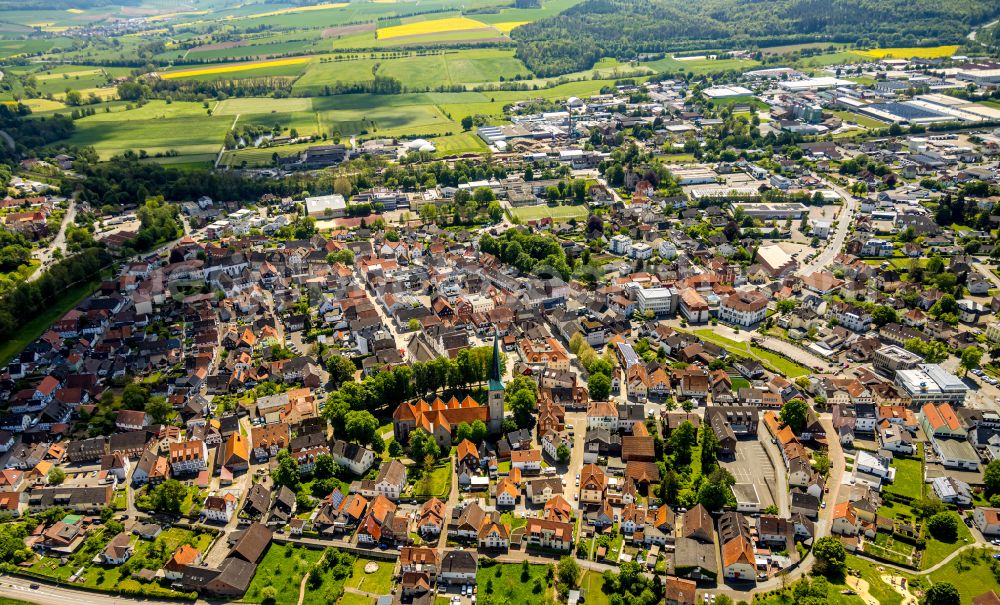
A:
x: 556, y: 213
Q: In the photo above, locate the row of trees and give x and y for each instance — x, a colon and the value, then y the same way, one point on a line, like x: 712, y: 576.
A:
x: 47, y: 290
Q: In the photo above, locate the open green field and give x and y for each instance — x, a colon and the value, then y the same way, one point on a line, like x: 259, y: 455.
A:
x: 700, y: 66
x: 506, y: 579
x: 850, y: 116
x: 442, y: 68
x: 436, y: 483
x: 556, y: 213
x: 844, y: 56
x: 971, y: 572
x: 592, y: 585
x: 353, y: 598
x: 776, y: 362
x: 109, y: 138
x: 455, y: 144
x: 156, y: 127
x: 379, y: 582
x: 790, y: 48
x: 936, y: 550
x: 248, y: 51
x: 282, y: 568
x: 252, y: 105
x: 303, y: 122
x: 13, y: 48
x: 517, y: 15
x: 909, y: 478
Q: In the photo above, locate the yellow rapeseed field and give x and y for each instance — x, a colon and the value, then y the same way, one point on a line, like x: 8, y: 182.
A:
x: 165, y: 16
x: 435, y: 26
x: 74, y: 11
x: 506, y: 26
x: 932, y: 52
x: 297, y: 9
x: 221, y: 69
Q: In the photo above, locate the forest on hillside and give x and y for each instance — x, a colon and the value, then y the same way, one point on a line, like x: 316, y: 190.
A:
x: 575, y: 39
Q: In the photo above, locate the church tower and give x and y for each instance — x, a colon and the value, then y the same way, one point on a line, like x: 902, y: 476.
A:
x: 495, y: 387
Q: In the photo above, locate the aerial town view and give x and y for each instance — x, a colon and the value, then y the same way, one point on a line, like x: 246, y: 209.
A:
x: 500, y: 302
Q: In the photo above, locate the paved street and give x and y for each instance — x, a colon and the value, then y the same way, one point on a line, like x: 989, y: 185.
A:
x: 58, y: 242
x: 47, y: 594
x: 836, y: 241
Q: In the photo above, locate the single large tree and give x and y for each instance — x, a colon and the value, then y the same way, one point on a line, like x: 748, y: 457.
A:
x: 794, y: 414
x: 942, y: 593
x: 970, y: 359
x: 831, y: 556
x: 991, y: 477
x: 599, y: 387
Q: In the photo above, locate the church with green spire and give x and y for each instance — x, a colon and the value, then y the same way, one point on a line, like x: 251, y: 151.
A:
x: 495, y: 388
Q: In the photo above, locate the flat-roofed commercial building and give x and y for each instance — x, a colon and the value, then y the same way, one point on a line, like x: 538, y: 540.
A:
x: 890, y: 359
x: 930, y: 383
x: 326, y: 206
x: 776, y: 210
x: 661, y: 301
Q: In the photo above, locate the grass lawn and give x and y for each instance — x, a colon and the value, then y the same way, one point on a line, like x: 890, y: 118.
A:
x: 505, y: 579
x: 936, y: 550
x: 353, y: 598
x: 745, y: 349
x: 970, y: 572
x: 43, y: 319
x: 740, y: 383
x: 849, y: 116
x: 592, y: 585
x: 282, y: 568
x: 789, y: 368
x: 909, y: 478
x: 512, y: 520
x: 463, y: 142
x: 437, y: 483
x: 379, y: 583
x: 895, y: 509
x: 557, y: 213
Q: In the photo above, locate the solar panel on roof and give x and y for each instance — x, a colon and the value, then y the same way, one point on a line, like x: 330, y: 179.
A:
x: 336, y: 498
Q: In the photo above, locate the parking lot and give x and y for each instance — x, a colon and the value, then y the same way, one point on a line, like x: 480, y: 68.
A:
x: 458, y: 594
x: 752, y: 465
